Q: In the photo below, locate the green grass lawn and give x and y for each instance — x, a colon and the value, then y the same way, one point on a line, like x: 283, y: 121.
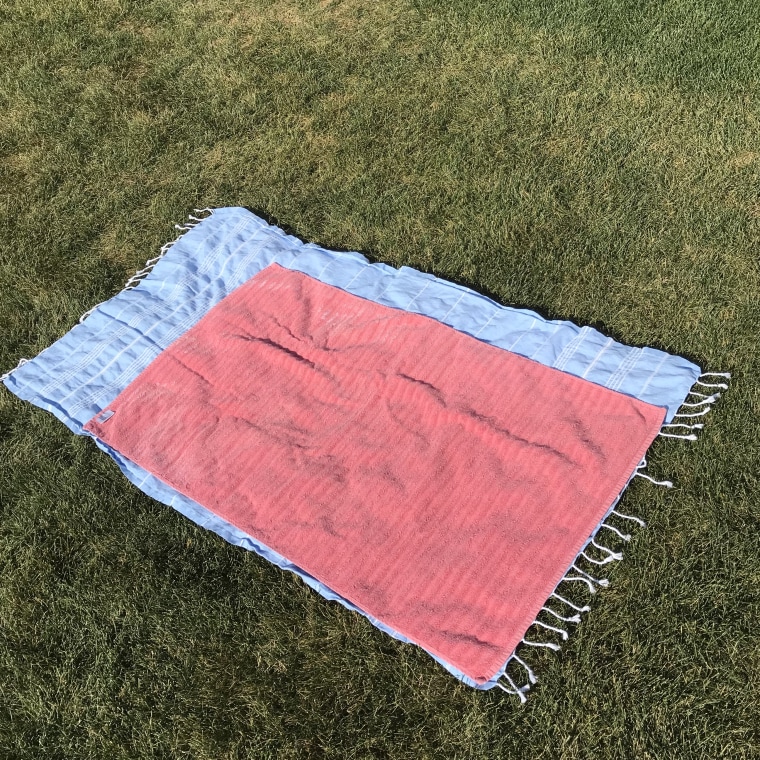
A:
x: 598, y: 161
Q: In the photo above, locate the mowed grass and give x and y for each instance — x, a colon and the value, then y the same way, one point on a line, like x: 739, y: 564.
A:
x: 597, y: 161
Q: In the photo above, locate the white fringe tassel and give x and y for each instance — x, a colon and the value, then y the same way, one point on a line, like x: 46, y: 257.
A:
x: 703, y: 407
x: 21, y: 363
x: 532, y: 677
x: 624, y: 536
x: 515, y: 690
x: 572, y: 606
x: 561, y: 631
x: 575, y: 573
x: 665, y: 483
x: 571, y: 619
x: 547, y: 644
x: 138, y: 276
x: 629, y: 517
x: 690, y: 437
x: 711, y: 385
x: 141, y: 274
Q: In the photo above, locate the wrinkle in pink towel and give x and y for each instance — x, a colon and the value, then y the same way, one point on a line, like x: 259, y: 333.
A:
x: 439, y: 483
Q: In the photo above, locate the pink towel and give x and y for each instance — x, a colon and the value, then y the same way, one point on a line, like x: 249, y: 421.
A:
x: 440, y: 484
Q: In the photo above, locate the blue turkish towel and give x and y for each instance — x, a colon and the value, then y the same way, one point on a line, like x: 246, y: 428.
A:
x: 87, y: 368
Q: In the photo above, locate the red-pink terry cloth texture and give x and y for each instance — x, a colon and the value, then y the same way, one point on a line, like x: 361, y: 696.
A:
x: 441, y: 484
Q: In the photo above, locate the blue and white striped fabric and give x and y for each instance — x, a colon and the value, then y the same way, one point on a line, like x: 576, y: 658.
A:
x: 87, y: 368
